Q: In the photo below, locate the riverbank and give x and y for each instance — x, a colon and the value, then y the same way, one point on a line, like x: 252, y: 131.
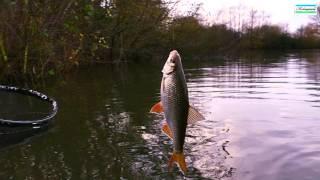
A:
x: 39, y: 40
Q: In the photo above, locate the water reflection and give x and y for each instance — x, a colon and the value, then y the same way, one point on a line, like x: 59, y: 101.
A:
x: 261, y: 123
x: 268, y: 113
x: 12, y: 135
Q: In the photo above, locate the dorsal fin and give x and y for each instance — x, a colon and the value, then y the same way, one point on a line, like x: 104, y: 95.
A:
x: 194, y: 115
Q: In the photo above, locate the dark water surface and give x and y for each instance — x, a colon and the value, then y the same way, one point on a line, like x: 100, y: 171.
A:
x: 262, y: 122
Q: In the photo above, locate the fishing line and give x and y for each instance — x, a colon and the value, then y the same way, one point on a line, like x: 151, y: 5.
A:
x: 32, y: 93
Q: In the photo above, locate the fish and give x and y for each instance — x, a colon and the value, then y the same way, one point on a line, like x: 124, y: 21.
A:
x: 174, y: 103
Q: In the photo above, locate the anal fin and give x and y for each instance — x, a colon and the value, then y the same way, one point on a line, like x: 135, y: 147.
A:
x: 166, y: 130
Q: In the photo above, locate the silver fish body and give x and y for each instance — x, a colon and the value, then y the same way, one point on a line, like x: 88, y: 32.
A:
x: 175, y: 105
x: 174, y: 98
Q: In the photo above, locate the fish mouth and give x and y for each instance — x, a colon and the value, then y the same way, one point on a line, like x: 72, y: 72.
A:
x: 171, y: 63
x: 173, y: 56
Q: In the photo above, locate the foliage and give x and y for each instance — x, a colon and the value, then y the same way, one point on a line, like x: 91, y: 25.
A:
x: 43, y: 38
x: 38, y: 38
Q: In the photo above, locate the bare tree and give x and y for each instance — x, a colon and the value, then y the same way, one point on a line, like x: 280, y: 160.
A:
x: 316, y: 20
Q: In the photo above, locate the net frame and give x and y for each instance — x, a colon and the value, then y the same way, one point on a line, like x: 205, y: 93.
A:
x: 33, y: 93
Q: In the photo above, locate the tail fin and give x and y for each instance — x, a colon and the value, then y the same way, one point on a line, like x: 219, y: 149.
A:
x: 179, y: 159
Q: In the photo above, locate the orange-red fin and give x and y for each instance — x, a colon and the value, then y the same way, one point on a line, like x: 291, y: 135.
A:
x: 166, y: 129
x: 157, y: 108
x: 179, y: 159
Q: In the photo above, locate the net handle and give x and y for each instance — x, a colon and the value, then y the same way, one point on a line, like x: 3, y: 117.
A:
x: 30, y: 92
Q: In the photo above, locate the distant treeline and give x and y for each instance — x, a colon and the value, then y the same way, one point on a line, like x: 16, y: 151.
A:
x: 40, y: 38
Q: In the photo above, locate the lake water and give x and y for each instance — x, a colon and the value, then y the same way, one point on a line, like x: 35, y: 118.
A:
x: 262, y: 122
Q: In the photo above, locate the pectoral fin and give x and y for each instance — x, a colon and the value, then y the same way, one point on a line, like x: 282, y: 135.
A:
x: 194, y: 115
x: 157, y: 108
